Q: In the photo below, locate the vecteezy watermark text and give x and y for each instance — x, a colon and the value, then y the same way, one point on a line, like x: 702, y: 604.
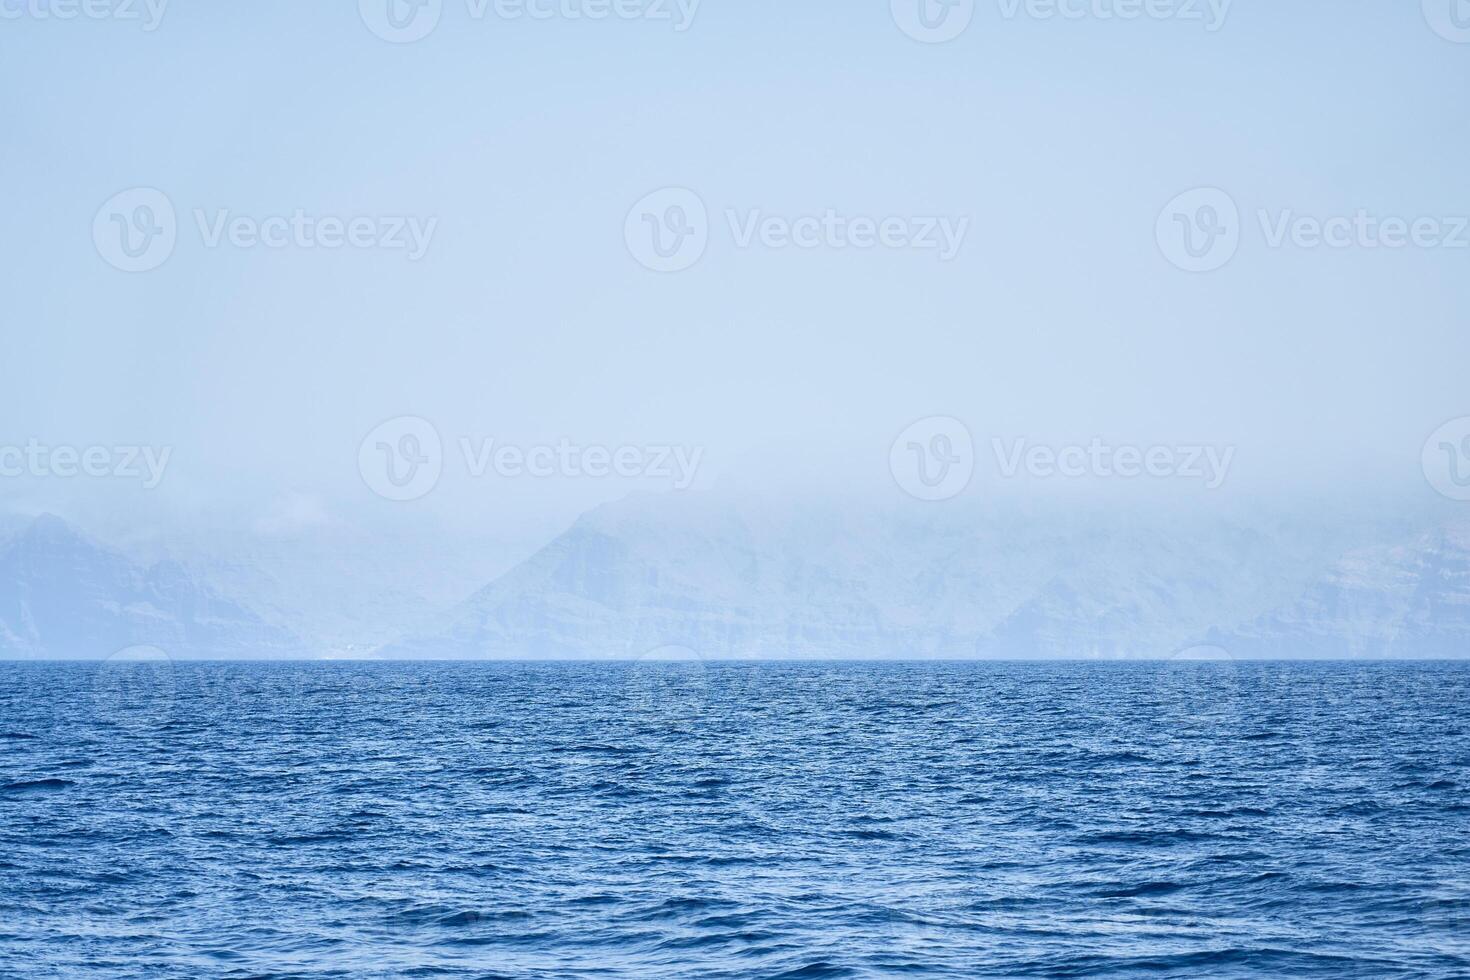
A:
x: 677, y: 463
x: 148, y: 13
x: 938, y: 21
x: 1362, y: 229
x: 1098, y: 459
x: 1201, y: 230
x: 669, y: 230
x: 35, y: 459
x: 301, y: 230
x: 1210, y: 13
x: 407, y: 21
x: 935, y: 459
x: 832, y: 230
x: 137, y: 230
x: 403, y: 459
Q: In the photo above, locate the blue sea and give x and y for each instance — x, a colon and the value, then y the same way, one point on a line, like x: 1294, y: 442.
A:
x: 734, y: 820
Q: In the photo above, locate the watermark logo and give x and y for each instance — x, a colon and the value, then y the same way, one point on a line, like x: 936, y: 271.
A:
x: 667, y: 687
x: 1101, y: 460
x: 942, y: 234
x: 407, y: 21
x: 933, y: 459
x: 402, y: 459
x: 679, y: 13
x: 36, y: 459
x: 149, y: 13
x: 668, y: 230
x: 134, y: 689
x: 136, y: 230
x: 679, y: 464
x: 406, y: 233
x: 1198, y: 684
x: 401, y: 21
x: 1446, y: 459
x: 932, y: 21
x: 1211, y: 13
x: 1362, y: 229
x: 1450, y: 19
x: 1199, y: 231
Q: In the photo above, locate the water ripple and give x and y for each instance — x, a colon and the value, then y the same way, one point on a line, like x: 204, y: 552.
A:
x: 822, y: 820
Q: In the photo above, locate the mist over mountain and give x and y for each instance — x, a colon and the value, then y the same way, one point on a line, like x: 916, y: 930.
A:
x: 346, y: 590
x: 64, y: 596
x: 725, y: 578
x: 734, y: 576
x: 1399, y: 599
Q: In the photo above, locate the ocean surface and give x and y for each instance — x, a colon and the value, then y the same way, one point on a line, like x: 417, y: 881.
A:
x: 729, y: 820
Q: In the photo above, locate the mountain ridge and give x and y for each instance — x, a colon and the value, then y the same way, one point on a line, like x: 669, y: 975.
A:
x: 730, y: 578
x: 65, y: 596
x: 727, y: 581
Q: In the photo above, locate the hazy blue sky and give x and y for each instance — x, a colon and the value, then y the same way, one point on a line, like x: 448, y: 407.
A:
x: 529, y: 321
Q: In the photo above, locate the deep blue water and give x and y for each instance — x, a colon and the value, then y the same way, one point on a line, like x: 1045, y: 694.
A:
x: 824, y: 820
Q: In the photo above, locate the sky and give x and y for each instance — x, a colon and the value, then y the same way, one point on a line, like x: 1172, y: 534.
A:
x: 529, y: 153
